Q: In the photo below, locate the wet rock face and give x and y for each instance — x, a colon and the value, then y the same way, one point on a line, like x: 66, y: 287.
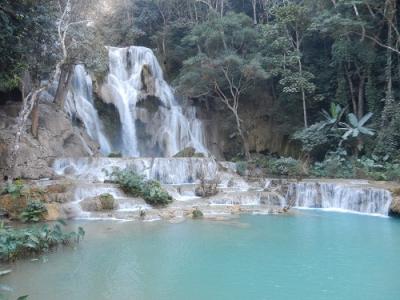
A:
x: 264, y: 133
x: 207, y: 188
x: 394, y: 209
x: 57, y: 137
x: 148, y: 81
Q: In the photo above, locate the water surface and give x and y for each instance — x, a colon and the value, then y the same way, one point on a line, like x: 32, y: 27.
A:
x: 310, y: 255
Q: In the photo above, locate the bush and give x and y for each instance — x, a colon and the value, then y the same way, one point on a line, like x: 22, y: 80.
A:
x: 189, y: 152
x: 14, y: 189
x: 115, y: 155
x: 107, y: 201
x: 335, y: 165
x: 317, y: 139
x: 241, y: 168
x: 154, y: 194
x: 197, y: 214
x: 23, y: 242
x: 286, y: 166
x: 393, y: 172
x: 135, y: 185
x: 129, y: 181
x: 33, y: 212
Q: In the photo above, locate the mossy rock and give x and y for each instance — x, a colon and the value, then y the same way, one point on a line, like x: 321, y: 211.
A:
x: 115, y: 155
x: 197, y: 214
x: 189, y: 152
x: 150, y: 103
x: 107, y: 201
x: 13, y: 206
x: 99, y: 203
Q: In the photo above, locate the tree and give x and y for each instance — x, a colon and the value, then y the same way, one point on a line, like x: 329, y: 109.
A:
x: 79, y: 41
x: 355, y: 129
x: 287, y: 36
x: 226, y: 65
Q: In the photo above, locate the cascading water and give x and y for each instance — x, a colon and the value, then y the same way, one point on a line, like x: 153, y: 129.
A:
x: 79, y: 105
x: 347, y: 197
x: 165, y: 170
x: 153, y: 123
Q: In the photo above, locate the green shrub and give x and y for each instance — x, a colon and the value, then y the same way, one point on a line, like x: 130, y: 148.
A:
x: 241, y: 168
x: 154, y: 194
x: 114, y: 155
x: 22, y: 242
x: 135, y: 185
x: 129, y: 181
x: 393, y: 172
x: 286, y: 166
x: 107, y: 201
x: 317, y: 139
x: 33, y: 212
x: 335, y: 165
x: 197, y: 214
x: 14, y: 189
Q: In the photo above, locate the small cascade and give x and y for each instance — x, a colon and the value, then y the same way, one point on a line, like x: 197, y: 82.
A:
x: 165, y: 170
x: 79, y: 105
x: 242, y: 199
x: 153, y: 123
x: 344, y: 196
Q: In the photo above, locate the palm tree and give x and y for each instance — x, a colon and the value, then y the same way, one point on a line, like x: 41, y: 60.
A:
x: 355, y: 128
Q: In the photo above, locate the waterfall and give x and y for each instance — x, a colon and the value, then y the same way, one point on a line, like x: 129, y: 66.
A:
x: 79, y: 105
x: 343, y: 196
x: 153, y: 123
x: 165, y: 170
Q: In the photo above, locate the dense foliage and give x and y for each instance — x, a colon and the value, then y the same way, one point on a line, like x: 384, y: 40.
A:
x: 13, y: 188
x: 33, y: 212
x: 137, y: 186
x: 341, y: 58
x: 21, y: 242
x: 336, y: 164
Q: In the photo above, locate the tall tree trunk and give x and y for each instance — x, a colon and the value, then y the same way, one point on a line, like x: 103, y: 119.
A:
x: 303, y: 92
x: 351, y: 88
x: 63, y: 84
x: 35, y: 119
x: 254, y: 4
x: 361, y: 88
x: 389, y: 64
x: 303, y: 96
x: 246, y: 147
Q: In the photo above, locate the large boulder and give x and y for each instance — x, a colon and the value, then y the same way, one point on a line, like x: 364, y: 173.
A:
x: 99, y: 203
x: 57, y: 137
x: 207, y: 188
x: 54, y: 212
x: 12, y: 206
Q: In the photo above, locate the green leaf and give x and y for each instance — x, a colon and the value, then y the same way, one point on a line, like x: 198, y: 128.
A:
x: 353, y: 120
x: 365, y: 119
x: 366, y: 131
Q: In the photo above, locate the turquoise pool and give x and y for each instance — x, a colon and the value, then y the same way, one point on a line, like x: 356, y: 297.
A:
x: 308, y: 255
